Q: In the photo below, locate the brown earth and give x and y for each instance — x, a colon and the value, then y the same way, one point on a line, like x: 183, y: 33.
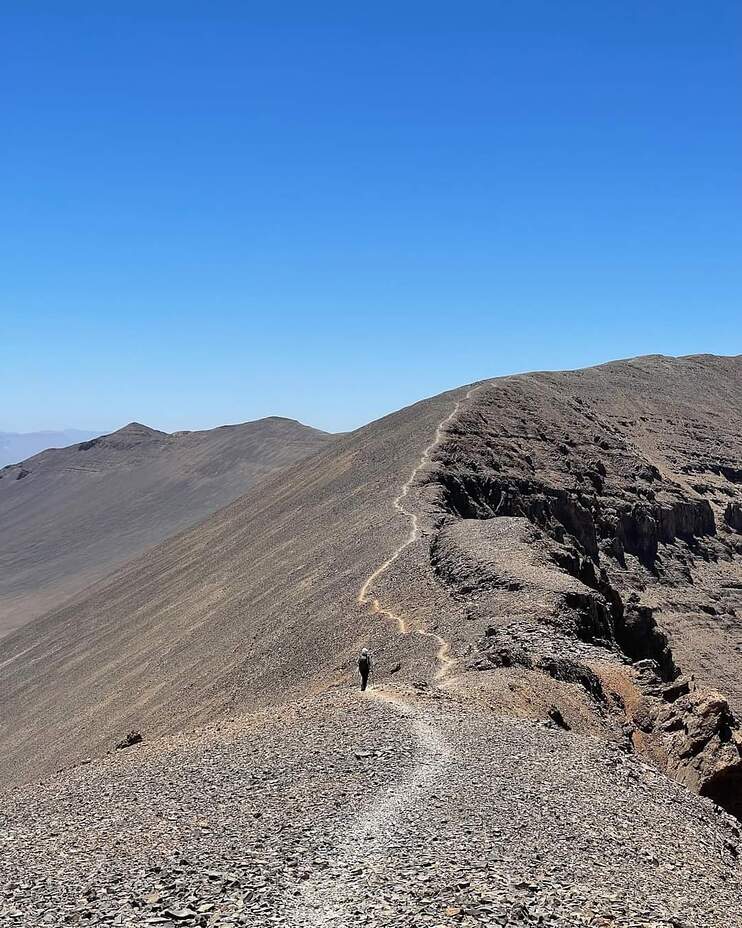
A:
x: 68, y: 516
x: 548, y: 571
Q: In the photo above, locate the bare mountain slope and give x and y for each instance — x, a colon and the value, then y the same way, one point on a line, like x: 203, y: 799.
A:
x: 68, y: 516
x: 623, y: 468
x: 252, y: 605
x: 548, y: 569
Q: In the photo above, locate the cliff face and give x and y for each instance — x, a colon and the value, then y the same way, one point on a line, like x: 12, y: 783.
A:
x: 590, y: 518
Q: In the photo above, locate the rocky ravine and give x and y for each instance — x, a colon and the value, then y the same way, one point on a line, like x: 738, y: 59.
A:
x: 575, y: 548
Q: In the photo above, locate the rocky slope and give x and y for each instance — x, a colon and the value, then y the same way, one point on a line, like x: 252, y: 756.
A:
x: 70, y: 515
x: 441, y: 814
x: 548, y: 571
x: 585, y: 518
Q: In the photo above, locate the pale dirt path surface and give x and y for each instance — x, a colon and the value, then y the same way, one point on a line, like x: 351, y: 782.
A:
x: 365, y: 597
x: 330, y: 896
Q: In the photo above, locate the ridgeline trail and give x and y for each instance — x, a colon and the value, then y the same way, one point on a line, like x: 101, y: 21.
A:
x: 365, y: 597
x: 360, y: 854
x: 328, y: 898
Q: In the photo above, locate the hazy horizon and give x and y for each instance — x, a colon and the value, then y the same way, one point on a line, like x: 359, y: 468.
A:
x: 217, y: 214
x: 82, y: 434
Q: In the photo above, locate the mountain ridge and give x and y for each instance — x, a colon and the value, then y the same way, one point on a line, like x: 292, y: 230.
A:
x: 317, y: 472
x: 70, y: 515
x: 546, y: 572
x: 15, y: 447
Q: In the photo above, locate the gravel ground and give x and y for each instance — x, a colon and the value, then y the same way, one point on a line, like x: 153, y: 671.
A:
x: 401, y: 809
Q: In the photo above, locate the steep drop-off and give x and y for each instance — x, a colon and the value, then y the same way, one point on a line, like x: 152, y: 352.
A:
x: 585, y: 531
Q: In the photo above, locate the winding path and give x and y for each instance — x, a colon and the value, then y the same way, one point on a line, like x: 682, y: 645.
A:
x: 328, y: 898
x: 365, y: 597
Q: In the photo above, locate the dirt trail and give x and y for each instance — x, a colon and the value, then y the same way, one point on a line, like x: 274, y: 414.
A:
x: 328, y: 898
x: 445, y: 661
x: 365, y: 598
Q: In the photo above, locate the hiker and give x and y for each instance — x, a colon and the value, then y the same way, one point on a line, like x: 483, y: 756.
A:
x: 364, y: 667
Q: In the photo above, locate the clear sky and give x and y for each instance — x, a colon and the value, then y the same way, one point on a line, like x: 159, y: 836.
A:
x: 215, y: 211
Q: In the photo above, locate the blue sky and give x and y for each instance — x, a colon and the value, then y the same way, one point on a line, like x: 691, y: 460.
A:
x: 218, y: 211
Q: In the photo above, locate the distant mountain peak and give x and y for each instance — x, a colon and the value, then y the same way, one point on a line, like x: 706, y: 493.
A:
x: 138, y: 427
x: 133, y: 433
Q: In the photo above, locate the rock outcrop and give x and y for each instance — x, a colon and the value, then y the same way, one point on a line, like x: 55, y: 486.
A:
x: 598, y: 544
x: 733, y: 516
x: 696, y: 738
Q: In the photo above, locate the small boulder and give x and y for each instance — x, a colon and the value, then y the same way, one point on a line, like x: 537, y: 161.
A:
x: 558, y: 719
x: 134, y: 737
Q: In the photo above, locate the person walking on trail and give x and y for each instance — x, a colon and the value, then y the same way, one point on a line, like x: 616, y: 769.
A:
x: 364, y: 667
